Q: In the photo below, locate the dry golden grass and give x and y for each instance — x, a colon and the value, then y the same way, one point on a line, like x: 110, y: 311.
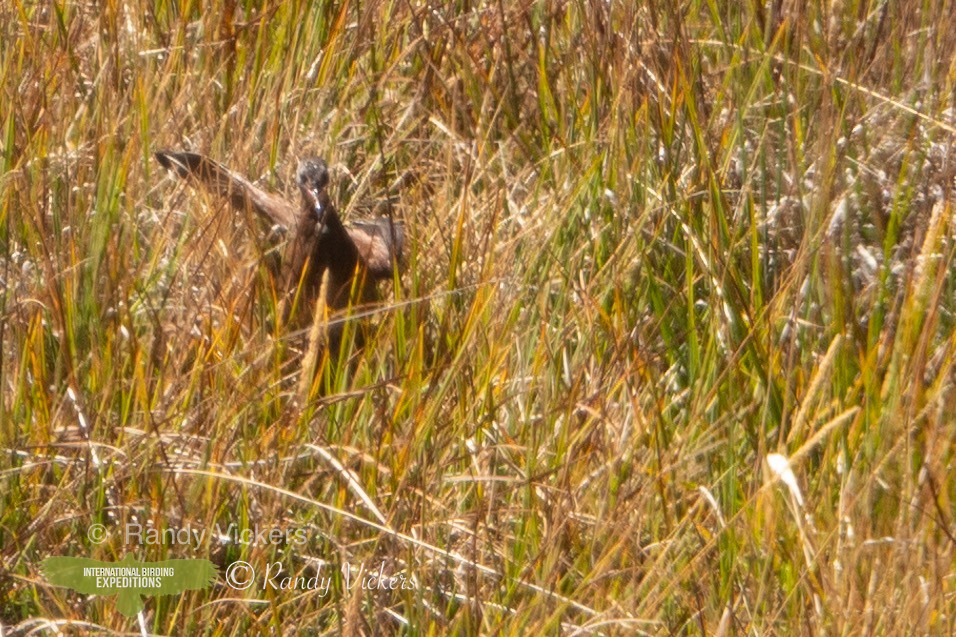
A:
x: 673, y: 351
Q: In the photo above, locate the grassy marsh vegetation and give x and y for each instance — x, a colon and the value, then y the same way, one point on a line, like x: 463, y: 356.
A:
x: 651, y: 245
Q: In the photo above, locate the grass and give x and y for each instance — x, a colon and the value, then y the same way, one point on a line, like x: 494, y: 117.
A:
x: 673, y: 351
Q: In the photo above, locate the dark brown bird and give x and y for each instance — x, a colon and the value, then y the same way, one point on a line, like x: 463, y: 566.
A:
x: 355, y: 256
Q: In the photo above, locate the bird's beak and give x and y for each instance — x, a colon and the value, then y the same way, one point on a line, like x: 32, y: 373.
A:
x: 315, y: 202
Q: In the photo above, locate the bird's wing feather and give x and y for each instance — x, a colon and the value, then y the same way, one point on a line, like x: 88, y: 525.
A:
x: 223, y: 182
x: 379, y: 243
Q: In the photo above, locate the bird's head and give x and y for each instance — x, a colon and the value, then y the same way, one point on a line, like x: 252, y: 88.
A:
x: 312, y: 178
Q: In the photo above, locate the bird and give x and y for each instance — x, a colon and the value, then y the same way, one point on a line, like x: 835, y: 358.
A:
x: 353, y: 257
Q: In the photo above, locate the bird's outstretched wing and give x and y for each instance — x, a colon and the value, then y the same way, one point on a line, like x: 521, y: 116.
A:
x: 221, y: 181
x: 380, y: 244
